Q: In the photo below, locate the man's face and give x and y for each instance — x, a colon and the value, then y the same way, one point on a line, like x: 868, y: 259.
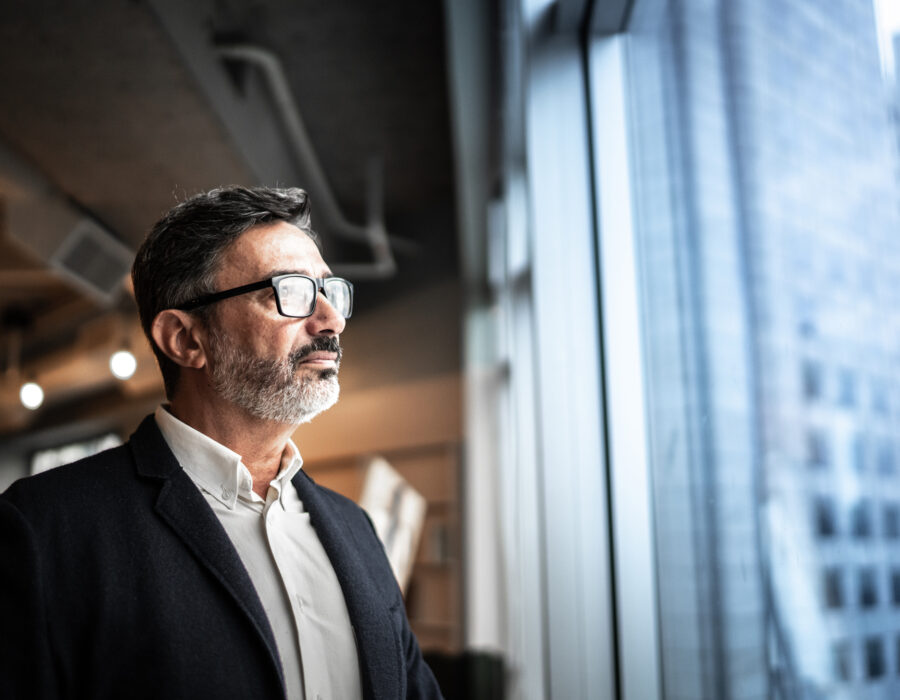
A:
x: 276, y: 368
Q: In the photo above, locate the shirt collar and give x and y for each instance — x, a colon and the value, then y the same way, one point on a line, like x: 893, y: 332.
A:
x: 216, y: 469
x: 291, y: 462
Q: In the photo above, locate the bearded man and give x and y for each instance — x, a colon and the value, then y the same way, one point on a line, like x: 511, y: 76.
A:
x: 198, y: 560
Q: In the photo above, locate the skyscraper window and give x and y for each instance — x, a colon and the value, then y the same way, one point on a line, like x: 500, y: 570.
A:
x: 891, y: 521
x: 886, y: 461
x: 875, y: 666
x: 825, y: 518
x: 867, y: 588
x: 897, y: 654
x: 895, y: 587
x: 812, y: 380
x: 834, y: 587
x: 842, y: 661
x: 861, y: 519
x: 818, y: 451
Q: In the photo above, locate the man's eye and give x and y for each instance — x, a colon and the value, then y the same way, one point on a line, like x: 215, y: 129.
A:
x: 266, y: 297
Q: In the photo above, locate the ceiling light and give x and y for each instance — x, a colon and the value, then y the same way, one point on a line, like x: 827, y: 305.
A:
x: 31, y: 395
x: 122, y: 364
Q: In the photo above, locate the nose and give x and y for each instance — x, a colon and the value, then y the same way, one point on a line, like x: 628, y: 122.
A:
x: 325, y: 320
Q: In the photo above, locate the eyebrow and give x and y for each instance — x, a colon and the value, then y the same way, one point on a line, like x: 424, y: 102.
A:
x: 275, y: 273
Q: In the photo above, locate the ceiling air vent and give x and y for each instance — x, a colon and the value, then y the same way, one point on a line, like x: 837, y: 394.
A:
x: 93, y: 260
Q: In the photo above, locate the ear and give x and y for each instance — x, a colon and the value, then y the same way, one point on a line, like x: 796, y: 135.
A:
x: 181, y: 337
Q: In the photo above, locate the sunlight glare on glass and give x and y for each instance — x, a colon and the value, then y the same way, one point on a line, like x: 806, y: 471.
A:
x: 31, y: 395
x: 887, y: 18
x: 122, y: 364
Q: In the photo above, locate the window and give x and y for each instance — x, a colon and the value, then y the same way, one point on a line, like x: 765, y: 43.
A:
x: 886, y: 463
x: 868, y: 588
x: 763, y: 202
x: 812, y: 380
x: 834, y: 588
x: 861, y: 520
x: 806, y: 325
x: 895, y: 587
x: 42, y: 460
x: 825, y: 518
x: 897, y: 653
x: 817, y: 449
x: 874, y: 657
x: 891, y: 522
x: 842, y: 661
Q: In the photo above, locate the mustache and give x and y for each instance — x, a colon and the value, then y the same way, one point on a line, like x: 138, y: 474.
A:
x: 321, y: 344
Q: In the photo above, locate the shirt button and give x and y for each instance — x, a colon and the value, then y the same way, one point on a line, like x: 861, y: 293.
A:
x: 227, y: 494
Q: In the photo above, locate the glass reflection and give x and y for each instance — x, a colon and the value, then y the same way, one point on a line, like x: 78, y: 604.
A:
x: 764, y: 148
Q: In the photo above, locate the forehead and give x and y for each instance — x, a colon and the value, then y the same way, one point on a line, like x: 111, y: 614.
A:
x: 269, y: 249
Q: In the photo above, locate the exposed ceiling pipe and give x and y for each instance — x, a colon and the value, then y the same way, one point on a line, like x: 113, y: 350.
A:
x: 327, y: 208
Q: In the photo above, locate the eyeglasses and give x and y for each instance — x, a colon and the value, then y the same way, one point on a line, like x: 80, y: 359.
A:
x: 295, y: 295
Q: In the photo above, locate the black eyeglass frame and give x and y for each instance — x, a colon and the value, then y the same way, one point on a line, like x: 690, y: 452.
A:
x: 272, y: 282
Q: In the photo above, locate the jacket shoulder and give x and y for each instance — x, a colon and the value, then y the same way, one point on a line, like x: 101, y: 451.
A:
x: 84, y: 472
x: 102, y: 476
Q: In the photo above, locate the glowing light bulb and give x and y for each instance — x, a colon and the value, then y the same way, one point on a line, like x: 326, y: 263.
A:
x: 122, y: 364
x: 31, y: 395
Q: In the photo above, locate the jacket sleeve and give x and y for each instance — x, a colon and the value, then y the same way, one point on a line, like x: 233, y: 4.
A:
x: 420, y: 681
x: 26, y: 667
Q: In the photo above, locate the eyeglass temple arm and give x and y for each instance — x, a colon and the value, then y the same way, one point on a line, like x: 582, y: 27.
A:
x: 227, y: 294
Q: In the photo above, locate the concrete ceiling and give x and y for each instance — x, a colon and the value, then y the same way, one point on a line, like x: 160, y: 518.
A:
x: 117, y: 108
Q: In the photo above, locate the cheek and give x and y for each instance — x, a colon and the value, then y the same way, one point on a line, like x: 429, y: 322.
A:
x: 269, y: 334
x: 271, y: 337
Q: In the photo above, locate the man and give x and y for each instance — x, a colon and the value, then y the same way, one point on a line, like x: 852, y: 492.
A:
x: 198, y: 560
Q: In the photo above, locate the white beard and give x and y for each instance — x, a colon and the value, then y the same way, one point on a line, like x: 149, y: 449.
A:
x: 269, y: 388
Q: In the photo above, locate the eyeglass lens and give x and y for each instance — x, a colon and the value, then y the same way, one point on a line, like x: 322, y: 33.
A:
x: 338, y: 293
x: 298, y: 296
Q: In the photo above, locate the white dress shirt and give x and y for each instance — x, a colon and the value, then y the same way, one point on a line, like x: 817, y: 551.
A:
x: 286, y: 562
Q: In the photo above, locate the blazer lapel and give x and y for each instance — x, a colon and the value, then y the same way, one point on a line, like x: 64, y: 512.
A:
x: 368, y: 611
x: 183, y: 507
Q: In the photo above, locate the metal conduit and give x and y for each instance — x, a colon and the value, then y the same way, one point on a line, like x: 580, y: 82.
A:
x: 327, y: 208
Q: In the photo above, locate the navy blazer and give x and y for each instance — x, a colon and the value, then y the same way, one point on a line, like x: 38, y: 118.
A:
x: 118, y: 581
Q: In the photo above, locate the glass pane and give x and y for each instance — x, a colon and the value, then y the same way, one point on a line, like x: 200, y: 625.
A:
x: 763, y: 142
